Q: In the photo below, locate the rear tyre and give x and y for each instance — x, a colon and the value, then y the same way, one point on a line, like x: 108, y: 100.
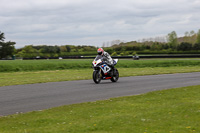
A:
x: 96, y: 77
x: 115, y: 75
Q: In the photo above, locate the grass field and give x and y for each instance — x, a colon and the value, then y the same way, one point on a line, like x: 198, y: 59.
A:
x: 17, y: 78
x: 167, y: 111
x: 38, y: 65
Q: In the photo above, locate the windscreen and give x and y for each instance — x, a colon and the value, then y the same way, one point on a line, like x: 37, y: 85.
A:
x: 98, y: 57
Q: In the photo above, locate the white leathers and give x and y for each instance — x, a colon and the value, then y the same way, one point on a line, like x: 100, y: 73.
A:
x: 106, y: 57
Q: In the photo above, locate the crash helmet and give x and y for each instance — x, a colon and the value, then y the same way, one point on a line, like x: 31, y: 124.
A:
x: 100, y: 51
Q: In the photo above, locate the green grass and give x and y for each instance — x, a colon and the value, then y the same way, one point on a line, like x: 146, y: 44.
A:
x: 38, y: 65
x: 167, y: 111
x: 16, y: 78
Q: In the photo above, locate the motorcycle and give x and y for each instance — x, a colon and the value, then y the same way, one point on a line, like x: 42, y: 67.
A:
x: 102, y: 71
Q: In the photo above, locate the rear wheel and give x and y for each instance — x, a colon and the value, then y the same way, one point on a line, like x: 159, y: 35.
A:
x: 115, y: 75
x: 97, y: 77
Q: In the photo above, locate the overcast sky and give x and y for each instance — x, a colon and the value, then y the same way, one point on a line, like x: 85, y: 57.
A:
x: 92, y: 22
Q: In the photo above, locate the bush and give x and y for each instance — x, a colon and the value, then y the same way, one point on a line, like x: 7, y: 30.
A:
x: 114, y: 54
x: 196, y: 46
x: 134, y: 53
x: 185, y: 46
x: 122, y: 54
x: 126, y: 53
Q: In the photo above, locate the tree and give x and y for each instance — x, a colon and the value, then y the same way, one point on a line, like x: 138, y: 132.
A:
x: 63, y: 49
x: 2, y: 37
x: 186, y: 33
x: 185, y: 46
x: 196, y: 46
x: 192, y: 33
x: 6, y: 48
x: 198, y: 37
x: 68, y: 48
x: 156, y: 46
x: 172, y: 40
x: 28, y: 52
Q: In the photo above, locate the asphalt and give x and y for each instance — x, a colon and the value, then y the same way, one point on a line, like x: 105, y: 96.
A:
x: 33, y: 97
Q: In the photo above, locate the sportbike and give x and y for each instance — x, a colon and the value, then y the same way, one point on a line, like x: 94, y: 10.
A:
x: 103, y: 71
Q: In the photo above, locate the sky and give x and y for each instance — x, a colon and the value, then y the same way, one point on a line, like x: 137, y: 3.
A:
x: 94, y: 22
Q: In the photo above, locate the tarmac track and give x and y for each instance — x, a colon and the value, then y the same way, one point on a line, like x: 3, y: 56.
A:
x: 32, y: 97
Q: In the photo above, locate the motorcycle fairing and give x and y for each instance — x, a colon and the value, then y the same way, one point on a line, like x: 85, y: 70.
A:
x: 105, y: 68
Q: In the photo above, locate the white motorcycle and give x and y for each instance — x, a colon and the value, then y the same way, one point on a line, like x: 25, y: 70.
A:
x: 102, y: 71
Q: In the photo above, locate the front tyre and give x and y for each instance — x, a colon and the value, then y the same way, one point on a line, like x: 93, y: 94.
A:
x: 115, y: 76
x: 97, y: 77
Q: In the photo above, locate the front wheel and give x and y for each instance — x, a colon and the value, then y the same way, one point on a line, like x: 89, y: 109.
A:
x: 97, y: 77
x: 115, y: 76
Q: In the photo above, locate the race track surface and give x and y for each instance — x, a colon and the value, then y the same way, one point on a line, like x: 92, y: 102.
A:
x: 31, y: 97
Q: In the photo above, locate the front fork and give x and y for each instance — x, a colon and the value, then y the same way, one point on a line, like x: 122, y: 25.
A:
x: 99, y: 72
x: 100, y: 75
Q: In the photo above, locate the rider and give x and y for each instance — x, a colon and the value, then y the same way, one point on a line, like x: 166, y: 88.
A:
x: 106, y: 57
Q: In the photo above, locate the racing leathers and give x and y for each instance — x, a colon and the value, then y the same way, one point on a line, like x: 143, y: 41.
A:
x: 107, y: 58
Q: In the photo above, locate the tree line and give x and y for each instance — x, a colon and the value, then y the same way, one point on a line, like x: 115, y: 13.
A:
x: 44, y: 51
x: 189, y: 43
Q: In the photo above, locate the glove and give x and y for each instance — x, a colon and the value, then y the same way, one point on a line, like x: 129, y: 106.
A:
x: 103, y: 58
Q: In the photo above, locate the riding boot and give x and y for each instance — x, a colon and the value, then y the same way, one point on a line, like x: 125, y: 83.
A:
x: 113, y: 69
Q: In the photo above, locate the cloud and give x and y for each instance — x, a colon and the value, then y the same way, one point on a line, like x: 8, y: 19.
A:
x: 93, y: 22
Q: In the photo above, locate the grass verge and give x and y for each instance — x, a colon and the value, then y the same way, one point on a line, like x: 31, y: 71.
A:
x: 17, y: 78
x: 166, y: 111
x: 38, y: 65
